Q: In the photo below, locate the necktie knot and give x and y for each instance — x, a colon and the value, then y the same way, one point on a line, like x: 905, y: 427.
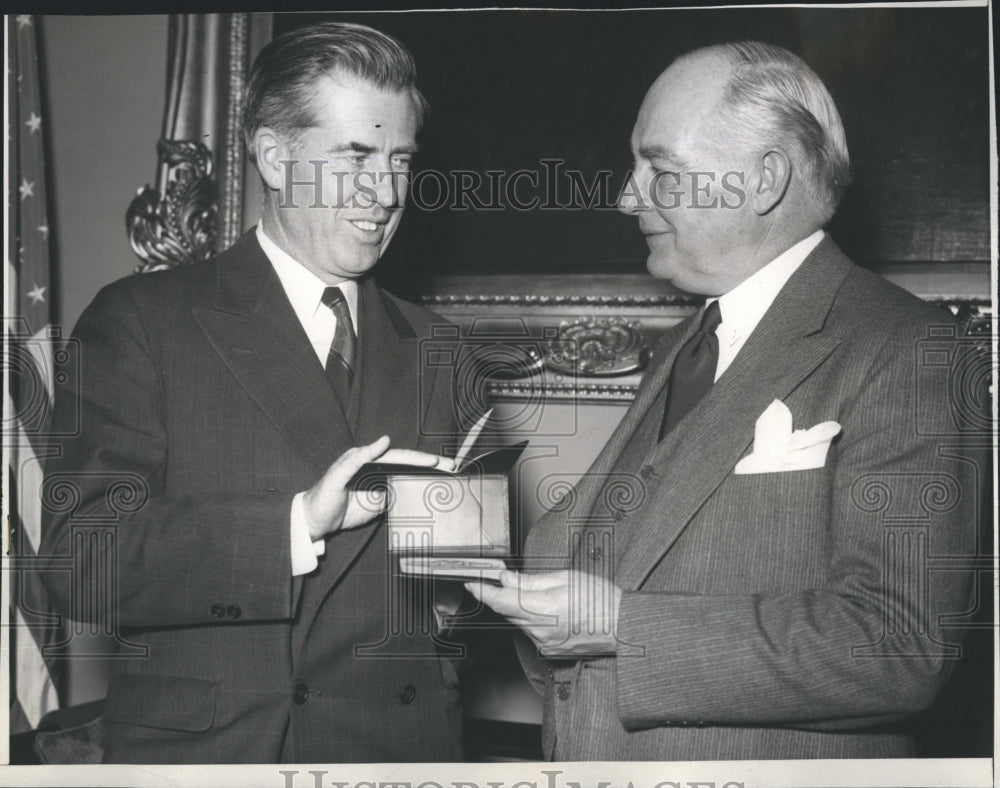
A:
x: 333, y: 298
x: 704, y: 338
x: 712, y: 318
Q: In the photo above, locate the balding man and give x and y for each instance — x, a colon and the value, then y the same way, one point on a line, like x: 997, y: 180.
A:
x: 758, y: 596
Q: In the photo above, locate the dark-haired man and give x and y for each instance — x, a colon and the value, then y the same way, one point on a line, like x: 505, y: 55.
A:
x: 230, y: 394
x: 767, y: 591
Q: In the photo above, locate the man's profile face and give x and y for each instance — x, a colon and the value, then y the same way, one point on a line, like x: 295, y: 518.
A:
x: 364, y: 139
x: 687, y: 188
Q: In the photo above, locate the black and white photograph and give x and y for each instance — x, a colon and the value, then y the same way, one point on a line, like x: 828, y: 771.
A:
x: 501, y: 397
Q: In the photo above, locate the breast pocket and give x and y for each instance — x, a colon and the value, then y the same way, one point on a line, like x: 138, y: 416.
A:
x: 782, y: 496
x: 762, y: 533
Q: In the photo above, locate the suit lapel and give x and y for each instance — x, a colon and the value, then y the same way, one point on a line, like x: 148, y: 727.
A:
x: 695, y: 458
x: 252, y: 326
x: 388, y: 387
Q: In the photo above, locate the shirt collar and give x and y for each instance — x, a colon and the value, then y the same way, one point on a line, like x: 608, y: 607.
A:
x: 743, y: 307
x: 303, y: 288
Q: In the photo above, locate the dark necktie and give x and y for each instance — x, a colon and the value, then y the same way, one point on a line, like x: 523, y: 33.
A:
x: 340, y: 363
x: 693, y: 372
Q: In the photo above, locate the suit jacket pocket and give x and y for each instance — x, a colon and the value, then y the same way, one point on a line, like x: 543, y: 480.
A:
x: 173, y: 703
x: 788, y: 494
x: 759, y: 533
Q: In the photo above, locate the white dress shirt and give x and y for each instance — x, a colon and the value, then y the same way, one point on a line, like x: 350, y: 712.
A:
x: 743, y: 307
x: 305, y: 291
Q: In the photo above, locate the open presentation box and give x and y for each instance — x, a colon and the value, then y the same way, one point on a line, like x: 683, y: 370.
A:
x: 449, y: 524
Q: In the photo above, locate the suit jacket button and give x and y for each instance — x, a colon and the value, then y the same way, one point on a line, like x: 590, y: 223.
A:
x: 595, y: 554
x: 233, y: 611
x: 562, y: 692
x: 619, y: 515
x: 408, y: 694
x: 300, y: 694
x: 647, y: 471
x: 218, y: 611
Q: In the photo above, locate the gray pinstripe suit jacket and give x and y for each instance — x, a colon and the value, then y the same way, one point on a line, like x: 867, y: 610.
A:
x: 201, y: 387
x: 776, y: 615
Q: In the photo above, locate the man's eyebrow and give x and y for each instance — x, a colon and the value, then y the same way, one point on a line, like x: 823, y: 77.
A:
x: 663, y: 153
x: 352, y: 147
x: 360, y: 147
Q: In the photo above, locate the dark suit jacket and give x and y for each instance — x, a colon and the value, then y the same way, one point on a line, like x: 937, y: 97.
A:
x: 200, y: 391
x: 775, y: 615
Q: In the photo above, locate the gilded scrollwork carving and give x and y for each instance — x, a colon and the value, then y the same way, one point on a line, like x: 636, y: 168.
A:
x: 177, y: 226
x: 597, y: 346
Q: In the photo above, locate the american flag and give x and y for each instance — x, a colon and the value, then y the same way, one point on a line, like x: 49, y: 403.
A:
x: 31, y: 346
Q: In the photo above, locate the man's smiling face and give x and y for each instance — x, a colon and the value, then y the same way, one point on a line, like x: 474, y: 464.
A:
x: 695, y: 228
x: 359, y: 151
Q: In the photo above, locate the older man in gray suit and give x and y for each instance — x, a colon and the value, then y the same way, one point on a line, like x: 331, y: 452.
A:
x: 765, y: 594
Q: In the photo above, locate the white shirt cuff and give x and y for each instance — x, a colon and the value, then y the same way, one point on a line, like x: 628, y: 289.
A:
x: 305, y: 552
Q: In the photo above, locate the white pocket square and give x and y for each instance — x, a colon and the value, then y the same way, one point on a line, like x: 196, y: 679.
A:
x: 777, y: 448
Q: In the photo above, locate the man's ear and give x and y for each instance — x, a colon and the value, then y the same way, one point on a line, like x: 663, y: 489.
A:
x: 775, y: 173
x: 272, y: 156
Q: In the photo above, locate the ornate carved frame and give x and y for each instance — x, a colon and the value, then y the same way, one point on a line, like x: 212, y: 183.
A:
x: 202, y: 201
x: 196, y: 207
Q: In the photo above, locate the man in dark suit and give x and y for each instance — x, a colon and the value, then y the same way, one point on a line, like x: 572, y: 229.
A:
x: 762, y: 588
x: 227, y: 397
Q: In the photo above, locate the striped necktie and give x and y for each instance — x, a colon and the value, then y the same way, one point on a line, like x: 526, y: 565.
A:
x: 340, y: 362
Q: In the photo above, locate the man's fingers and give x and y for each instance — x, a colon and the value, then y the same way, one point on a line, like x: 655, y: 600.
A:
x: 372, y: 451
x: 502, y: 600
x: 350, y: 462
x: 417, y: 458
x: 535, y: 581
x: 508, y: 602
x: 445, y: 463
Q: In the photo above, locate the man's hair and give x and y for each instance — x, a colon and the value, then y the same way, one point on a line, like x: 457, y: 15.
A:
x: 280, y: 90
x: 772, y: 95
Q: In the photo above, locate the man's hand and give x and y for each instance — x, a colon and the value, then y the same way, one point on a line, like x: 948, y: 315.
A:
x: 330, y: 506
x: 567, y: 613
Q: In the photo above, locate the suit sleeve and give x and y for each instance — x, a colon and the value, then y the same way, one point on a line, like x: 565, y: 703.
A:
x: 149, y: 558
x: 866, y: 646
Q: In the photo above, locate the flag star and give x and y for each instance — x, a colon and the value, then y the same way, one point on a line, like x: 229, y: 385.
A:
x: 34, y: 122
x: 27, y: 188
x: 44, y: 230
x: 38, y: 294
x: 23, y: 20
